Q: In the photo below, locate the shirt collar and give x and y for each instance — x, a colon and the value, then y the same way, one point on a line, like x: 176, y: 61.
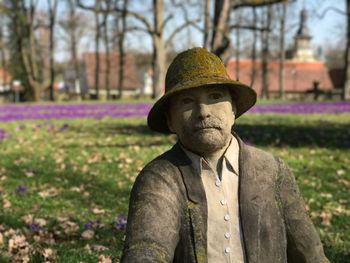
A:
x: 230, y: 156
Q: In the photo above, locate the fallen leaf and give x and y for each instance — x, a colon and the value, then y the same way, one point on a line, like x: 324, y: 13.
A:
x: 88, y: 234
x: 326, y: 218
x: 1, y: 240
x: 6, y: 204
x: 48, y: 253
x: 340, y: 172
x: 97, y: 211
x: 49, y: 192
x: 27, y: 219
x: 104, y: 259
x: 41, y: 222
x: 98, y: 248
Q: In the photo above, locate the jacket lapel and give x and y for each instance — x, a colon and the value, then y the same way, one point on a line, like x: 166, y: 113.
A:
x: 196, y: 204
x: 250, y: 203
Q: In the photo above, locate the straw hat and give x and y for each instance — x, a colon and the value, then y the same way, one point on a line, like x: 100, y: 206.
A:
x: 195, y: 68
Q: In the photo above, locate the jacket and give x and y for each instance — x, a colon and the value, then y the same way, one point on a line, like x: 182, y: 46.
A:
x: 167, y: 220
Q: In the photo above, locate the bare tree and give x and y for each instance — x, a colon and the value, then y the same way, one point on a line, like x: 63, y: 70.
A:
x: 106, y: 42
x: 3, y: 51
x: 52, y: 18
x: 237, y: 47
x: 207, y: 24
x: 97, y: 46
x: 281, y: 73
x: 346, y: 88
x: 121, y: 38
x: 253, y: 73
x: 265, y: 54
x: 74, y: 26
x: 220, y: 38
x: 156, y: 30
x: 25, y: 57
x: 346, y: 91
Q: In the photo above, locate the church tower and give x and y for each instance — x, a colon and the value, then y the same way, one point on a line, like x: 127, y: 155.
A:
x: 302, y: 49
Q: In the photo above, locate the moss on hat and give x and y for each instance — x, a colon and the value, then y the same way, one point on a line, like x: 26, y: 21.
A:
x: 196, y: 68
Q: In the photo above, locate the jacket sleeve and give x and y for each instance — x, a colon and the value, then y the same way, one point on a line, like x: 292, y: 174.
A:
x: 303, y: 242
x: 154, y: 218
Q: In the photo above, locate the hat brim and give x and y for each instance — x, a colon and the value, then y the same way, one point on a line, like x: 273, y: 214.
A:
x: 244, y: 97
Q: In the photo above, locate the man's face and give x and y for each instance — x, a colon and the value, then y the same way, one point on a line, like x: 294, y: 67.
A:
x: 202, y: 118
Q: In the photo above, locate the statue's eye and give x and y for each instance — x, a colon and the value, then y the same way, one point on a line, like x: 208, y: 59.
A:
x: 186, y: 100
x: 215, y: 95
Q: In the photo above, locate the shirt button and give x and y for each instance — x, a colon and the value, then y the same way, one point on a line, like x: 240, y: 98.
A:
x: 227, y: 235
x: 223, y: 202
x: 227, y: 250
x: 217, y: 183
x: 227, y: 217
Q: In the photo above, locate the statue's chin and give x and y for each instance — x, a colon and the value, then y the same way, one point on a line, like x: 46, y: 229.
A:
x: 205, y: 144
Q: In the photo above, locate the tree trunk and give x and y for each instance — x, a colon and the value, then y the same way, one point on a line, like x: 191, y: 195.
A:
x: 97, y: 48
x: 281, y: 75
x: 107, y: 57
x: 220, y: 40
x: 3, y: 57
x: 237, y: 48
x: 159, y: 52
x: 253, y: 73
x: 52, y: 14
x: 73, y: 44
x: 265, y: 56
x: 121, y: 49
x: 207, y: 5
x: 346, y: 90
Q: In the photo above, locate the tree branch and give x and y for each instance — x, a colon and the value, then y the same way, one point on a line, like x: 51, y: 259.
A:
x: 136, y: 15
x: 331, y: 8
x: 256, y: 3
x: 183, y: 26
x: 247, y: 27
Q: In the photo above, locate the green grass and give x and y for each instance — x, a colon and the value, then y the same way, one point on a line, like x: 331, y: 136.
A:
x: 86, y: 172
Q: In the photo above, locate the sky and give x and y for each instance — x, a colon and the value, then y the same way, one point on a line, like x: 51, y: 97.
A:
x: 326, y: 31
x: 332, y: 26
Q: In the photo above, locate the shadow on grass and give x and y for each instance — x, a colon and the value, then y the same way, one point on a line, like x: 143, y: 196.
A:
x: 327, y: 136
x: 295, y: 136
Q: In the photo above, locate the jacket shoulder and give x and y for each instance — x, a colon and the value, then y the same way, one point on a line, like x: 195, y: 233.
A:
x: 163, y: 170
x: 163, y: 164
x: 261, y: 158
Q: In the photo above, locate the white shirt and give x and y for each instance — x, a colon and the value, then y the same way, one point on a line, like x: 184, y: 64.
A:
x: 224, y: 233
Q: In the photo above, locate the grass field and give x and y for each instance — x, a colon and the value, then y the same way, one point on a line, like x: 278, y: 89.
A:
x: 65, y: 184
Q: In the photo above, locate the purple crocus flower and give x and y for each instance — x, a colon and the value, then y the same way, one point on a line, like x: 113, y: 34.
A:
x: 121, y: 222
x: 21, y: 189
x: 14, y: 112
x: 35, y: 227
x: 89, y: 225
x: 20, y: 127
x: 3, y: 134
x: 64, y: 127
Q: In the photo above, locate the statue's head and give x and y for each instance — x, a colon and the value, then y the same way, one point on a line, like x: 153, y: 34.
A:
x: 200, y: 102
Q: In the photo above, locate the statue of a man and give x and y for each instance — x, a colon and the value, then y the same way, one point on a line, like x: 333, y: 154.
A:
x: 212, y: 198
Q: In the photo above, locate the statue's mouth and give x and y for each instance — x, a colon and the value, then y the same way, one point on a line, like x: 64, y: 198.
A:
x: 206, y: 128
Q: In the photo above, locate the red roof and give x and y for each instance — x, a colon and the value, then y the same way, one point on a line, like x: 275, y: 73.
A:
x: 299, y: 76
x: 5, y: 77
x: 131, y: 78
